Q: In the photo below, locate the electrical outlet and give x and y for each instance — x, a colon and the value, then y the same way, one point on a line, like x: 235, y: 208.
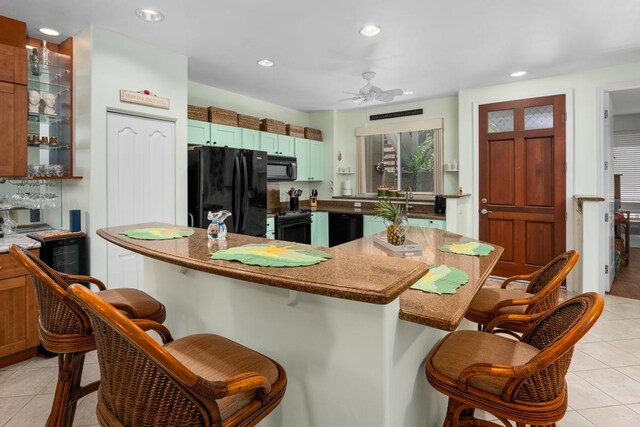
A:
x: 357, y: 204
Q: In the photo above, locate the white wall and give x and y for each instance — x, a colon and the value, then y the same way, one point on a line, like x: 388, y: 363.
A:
x: 104, y: 63
x: 583, y: 90
x: 347, y: 121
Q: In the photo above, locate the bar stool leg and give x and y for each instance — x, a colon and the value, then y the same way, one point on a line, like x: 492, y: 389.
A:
x: 68, y: 390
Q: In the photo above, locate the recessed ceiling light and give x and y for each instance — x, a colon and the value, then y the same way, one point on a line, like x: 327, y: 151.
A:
x: 407, y: 92
x: 149, y: 15
x: 370, y: 30
x: 518, y: 74
x: 49, y: 31
x: 266, y: 63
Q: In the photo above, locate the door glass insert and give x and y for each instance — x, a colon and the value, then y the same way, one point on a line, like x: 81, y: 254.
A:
x: 538, y: 117
x: 500, y: 121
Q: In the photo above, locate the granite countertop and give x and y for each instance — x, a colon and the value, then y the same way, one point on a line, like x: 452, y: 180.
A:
x: 438, y: 311
x: 348, y: 275
x: 18, y: 239
x: 365, y: 209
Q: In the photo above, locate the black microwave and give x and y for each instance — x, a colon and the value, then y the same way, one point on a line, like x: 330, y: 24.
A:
x: 282, y: 168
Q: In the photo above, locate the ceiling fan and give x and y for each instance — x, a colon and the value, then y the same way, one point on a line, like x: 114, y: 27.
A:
x: 370, y: 92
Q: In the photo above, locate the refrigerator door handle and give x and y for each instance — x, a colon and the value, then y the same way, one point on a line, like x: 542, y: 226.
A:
x: 237, y: 188
x: 245, y: 195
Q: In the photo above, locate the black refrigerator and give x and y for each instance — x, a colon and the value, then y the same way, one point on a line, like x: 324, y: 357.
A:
x: 231, y: 179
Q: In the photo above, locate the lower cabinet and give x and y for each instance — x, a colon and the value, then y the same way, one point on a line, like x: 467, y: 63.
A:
x: 320, y: 229
x: 18, y: 312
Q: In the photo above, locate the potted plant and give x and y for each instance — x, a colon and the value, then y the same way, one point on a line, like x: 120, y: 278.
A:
x: 394, y: 215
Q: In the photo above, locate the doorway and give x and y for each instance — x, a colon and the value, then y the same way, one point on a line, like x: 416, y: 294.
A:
x: 522, y: 181
x: 623, y: 193
x: 140, y: 185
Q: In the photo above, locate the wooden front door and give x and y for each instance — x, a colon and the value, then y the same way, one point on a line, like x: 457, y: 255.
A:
x: 522, y: 181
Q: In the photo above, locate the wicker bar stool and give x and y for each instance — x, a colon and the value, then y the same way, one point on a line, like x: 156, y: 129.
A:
x: 64, y: 328
x: 542, y: 294
x: 522, y: 381
x: 198, y: 380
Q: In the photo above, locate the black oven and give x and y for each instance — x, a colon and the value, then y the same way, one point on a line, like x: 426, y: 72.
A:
x: 281, y: 168
x: 293, y: 226
x: 65, y: 252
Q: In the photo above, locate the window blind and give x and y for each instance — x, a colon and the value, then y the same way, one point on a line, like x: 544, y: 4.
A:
x: 626, y: 161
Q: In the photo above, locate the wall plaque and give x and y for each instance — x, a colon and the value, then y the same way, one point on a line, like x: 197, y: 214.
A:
x: 144, y: 98
x: 405, y: 113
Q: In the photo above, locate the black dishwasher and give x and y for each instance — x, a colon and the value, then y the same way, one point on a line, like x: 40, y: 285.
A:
x: 344, y: 228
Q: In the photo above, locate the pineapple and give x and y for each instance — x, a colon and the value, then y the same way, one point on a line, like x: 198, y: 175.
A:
x: 395, y: 215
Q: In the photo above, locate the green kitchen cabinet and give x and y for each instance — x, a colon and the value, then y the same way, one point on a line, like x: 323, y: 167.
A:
x: 417, y: 222
x: 277, y: 145
x: 372, y: 225
x: 250, y: 139
x: 316, y: 161
x: 286, y: 146
x: 198, y: 133
x: 310, y: 159
x: 320, y: 229
x: 269, y: 142
x: 435, y: 223
x: 226, y: 136
x: 302, y: 158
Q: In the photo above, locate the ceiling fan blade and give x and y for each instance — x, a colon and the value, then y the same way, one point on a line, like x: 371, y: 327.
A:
x: 351, y: 93
x: 353, y: 98
x: 395, y: 92
x: 388, y: 95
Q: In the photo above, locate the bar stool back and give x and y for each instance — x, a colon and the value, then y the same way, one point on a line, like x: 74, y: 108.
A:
x: 522, y: 381
x: 198, y: 380
x: 542, y: 294
x: 64, y: 328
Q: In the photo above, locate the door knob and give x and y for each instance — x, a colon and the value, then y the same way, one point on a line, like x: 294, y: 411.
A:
x: 484, y: 211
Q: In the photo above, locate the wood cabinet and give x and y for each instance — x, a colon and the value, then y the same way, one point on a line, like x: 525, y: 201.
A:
x: 18, y: 312
x: 310, y: 159
x: 13, y: 98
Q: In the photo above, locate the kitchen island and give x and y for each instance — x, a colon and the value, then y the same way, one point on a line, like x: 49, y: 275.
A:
x: 336, y: 326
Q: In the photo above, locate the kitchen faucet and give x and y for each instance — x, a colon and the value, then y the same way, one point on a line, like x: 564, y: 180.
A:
x: 408, y: 194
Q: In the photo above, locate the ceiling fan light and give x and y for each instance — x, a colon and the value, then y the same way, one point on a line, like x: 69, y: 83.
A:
x: 518, y: 74
x: 407, y: 92
x: 266, y: 63
x: 149, y: 15
x: 370, y: 30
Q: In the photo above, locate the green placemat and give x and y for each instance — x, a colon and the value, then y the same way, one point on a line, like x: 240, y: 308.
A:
x: 467, y: 248
x: 158, y: 233
x: 441, y: 280
x: 276, y: 255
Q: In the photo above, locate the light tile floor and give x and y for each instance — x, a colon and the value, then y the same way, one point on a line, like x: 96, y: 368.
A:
x: 604, y: 378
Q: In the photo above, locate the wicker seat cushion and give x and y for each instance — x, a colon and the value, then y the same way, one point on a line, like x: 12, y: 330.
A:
x: 464, y: 348
x: 142, y: 304
x: 486, y: 298
x: 216, y: 358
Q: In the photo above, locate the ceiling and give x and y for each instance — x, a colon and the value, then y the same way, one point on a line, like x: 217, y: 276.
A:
x: 433, y: 48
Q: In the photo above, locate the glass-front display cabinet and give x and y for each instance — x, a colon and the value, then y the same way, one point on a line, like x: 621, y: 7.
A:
x: 34, y: 201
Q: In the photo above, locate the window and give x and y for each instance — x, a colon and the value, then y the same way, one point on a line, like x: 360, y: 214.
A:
x: 626, y: 161
x: 409, y: 155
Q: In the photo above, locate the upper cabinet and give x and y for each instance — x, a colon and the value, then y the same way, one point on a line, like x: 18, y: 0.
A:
x: 310, y: 159
x: 277, y: 145
x: 50, y: 109
x: 250, y: 139
x: 226, y: 136
x: 198, y: 133
x: 286, y: 146
x: 13, y: 98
